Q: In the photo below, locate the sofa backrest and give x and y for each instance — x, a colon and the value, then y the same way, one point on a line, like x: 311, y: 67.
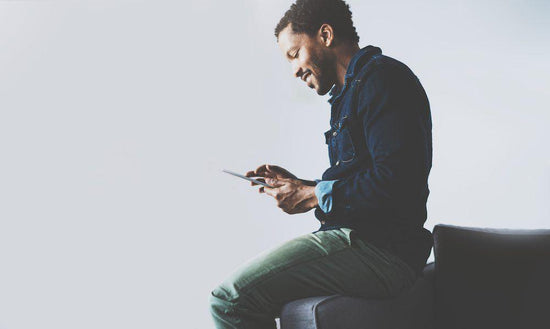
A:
x: 491, y: 278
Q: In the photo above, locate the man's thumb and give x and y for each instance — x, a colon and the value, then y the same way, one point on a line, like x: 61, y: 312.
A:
x: 272, y: 168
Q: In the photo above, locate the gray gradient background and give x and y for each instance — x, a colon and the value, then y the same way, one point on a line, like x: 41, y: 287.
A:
x: 116, y: 118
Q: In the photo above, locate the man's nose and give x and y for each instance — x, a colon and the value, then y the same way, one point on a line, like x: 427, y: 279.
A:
x: 296, y: 70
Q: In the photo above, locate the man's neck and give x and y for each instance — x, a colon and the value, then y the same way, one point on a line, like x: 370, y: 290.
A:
x: 343, y: 56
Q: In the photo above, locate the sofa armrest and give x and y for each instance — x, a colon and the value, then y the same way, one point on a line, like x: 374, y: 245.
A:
x: 429, y: 272
x: 413, y: 309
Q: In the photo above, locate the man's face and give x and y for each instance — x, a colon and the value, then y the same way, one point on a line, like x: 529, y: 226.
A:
x: 311, y: 59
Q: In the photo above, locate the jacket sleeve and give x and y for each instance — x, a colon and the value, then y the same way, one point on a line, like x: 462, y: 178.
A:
x: 395, y: 117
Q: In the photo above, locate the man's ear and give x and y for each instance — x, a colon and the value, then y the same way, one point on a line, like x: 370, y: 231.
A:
x: 326, y: 33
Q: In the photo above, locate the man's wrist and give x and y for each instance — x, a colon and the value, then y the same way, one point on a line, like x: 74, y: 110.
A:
x: 308, y: 182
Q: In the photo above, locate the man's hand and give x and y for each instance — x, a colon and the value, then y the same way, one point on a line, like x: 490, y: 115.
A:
x: 276, y: 172
x: 293, y: 196
x: 270, y: 171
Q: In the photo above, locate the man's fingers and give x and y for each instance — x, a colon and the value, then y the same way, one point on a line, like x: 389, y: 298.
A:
x: 271, y: 171
x: 280, y: 171
x: 276, y: 169
x: 277, y: 182
x: 272, y: 168
x: 257, y: 172
x: 269, y: 168
x: 258, y: 179
x: 260, y: 170
x: 269, y: 191
x: 273, y: 182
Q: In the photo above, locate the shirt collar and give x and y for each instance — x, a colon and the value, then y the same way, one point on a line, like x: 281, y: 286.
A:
x: 356, y: 63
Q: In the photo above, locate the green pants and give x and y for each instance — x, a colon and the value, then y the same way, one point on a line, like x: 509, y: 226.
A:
x: 334, y: 262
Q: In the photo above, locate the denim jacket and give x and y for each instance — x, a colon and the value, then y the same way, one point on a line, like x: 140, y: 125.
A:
x: 380, y: 152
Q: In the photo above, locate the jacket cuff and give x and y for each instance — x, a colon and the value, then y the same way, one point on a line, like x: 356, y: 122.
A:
x: 323, y: 191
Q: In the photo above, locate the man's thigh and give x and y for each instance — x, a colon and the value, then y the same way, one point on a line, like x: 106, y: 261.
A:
x: 322, y: 263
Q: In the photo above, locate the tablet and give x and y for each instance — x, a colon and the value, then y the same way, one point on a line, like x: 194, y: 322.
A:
x: 248, y: 178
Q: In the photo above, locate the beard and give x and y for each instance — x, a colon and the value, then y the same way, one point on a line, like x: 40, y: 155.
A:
x: 323, y: 74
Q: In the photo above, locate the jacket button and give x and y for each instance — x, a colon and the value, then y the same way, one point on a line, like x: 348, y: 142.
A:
x: 338, y: 162
x: 335, y: 133
x: 323, y: 222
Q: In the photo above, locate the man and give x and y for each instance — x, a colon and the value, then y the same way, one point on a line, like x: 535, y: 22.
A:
x: 371, y: 201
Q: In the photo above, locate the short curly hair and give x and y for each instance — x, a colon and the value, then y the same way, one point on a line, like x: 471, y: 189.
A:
x: 307, y: 16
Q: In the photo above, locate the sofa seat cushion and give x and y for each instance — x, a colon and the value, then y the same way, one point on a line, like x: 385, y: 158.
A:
x: 413, y: 309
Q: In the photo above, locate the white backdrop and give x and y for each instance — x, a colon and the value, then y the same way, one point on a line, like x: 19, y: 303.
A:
x: 116, y: 118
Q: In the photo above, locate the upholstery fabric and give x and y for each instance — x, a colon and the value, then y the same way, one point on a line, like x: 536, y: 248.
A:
x: 413, y: 309
x: 490, y: 278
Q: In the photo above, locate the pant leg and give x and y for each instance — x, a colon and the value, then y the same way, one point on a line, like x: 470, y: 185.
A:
x: 317, y: 264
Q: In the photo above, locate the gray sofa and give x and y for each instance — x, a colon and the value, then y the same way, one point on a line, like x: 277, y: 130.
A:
x: 481, y: 278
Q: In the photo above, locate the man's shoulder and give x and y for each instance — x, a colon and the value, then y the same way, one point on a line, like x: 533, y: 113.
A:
x: 382, y: 65
x: 383, y: 75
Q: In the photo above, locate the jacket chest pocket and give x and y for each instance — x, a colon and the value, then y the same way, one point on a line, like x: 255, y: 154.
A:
x: 340, y: 144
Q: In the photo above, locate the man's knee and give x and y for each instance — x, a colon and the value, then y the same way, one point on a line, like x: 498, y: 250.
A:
x: 222, y: 303
x: 231, y: 309
x: 226, y: 292
x: 233, y: 294
x: 239, y: 287
x: 225, y: 297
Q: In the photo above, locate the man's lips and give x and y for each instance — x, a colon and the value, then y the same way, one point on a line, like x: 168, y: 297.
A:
x: 305, y: 75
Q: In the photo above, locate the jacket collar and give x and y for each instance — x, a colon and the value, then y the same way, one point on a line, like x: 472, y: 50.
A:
x: 356, y: 63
